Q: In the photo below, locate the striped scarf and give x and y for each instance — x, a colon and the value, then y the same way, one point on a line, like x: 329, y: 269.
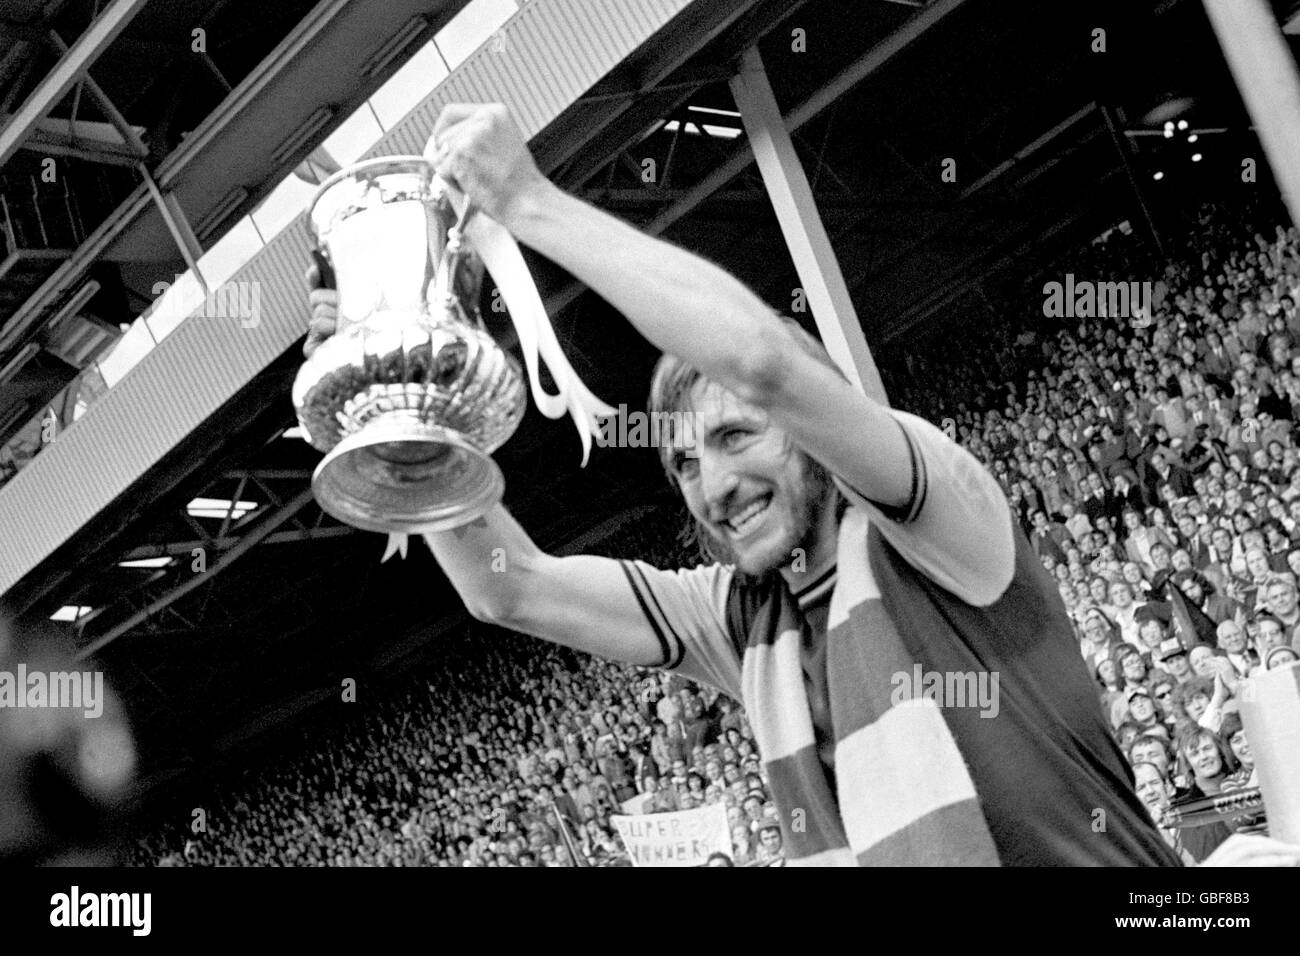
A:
x: 903, y: 795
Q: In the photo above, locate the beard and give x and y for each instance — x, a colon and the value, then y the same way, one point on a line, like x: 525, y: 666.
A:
x: 814, y: 493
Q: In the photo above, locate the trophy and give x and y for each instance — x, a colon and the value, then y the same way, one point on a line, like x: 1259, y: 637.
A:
x: 412, y: 395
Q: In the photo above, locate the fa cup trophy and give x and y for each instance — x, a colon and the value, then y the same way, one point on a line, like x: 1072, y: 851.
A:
x: 412, y: 395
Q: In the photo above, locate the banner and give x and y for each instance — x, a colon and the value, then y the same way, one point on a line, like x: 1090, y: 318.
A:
x: 1270, y: 710
x: 684, y: 838
x: 637, y: 805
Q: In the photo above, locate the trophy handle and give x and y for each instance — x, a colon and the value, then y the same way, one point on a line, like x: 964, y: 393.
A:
x: 324, y: 270
x: 460, y: 275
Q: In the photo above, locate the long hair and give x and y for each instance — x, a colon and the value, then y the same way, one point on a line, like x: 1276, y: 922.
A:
x: 1191, y: 736
x: 671, y: 388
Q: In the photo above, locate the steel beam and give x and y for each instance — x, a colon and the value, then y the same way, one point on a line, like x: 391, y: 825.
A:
x: 875, y: 58
x: 1124, y: 148
x: 178, y: 225
x: 124, y: 129
x: 246, y: 544
x: 271, y: 474
x: 695, y: 27
x: 97, y: 38
x: 802, y: 226
x: 61, y: 144
x: 184, y: 548
x: 664, y: 97
x: 970, y: 206
x: 1020, y: 155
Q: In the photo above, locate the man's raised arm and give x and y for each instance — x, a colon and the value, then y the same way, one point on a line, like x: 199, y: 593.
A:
x: 683, y: 304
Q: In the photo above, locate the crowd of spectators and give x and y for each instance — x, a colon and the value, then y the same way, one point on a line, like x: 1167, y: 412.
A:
x: 1151, y: 460
x: 505, y: 737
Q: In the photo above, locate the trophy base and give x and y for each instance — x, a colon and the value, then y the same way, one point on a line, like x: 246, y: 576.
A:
x: 402, y: 476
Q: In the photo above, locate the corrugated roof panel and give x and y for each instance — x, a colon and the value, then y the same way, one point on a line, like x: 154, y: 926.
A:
x: 557, y: 49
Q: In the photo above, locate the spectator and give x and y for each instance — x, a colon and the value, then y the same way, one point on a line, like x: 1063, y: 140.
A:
x: 1156, y: 791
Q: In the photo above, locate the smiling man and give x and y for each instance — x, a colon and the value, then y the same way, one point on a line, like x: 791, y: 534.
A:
x: 849, y: 543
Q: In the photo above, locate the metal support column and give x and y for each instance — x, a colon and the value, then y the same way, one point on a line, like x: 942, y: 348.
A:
x: 1126, y: 157
x: 66, y: 72
x: 178, y: 226
x: 805, y: 234
x: 1266, y: 78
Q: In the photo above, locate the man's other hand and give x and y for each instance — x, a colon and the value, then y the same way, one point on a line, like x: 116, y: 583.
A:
x: 324, y: 312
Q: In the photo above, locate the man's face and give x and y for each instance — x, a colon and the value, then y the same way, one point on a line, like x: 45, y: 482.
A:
x: 748, y: 487
x: 770, y: 840
x: 1231, y: 638
x: 1241, y: 748
x: 1132, y: 667
x: 1203, y: 756
x: 1150, y: 752
x: 1151, y: 789
x: 1281, y: 599
x: 1257, y: 564
x: 1270, y: 636
x: 1141, y: 707
x: 1178, y: 666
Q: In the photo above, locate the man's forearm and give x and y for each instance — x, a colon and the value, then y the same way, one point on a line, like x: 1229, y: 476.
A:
x: 685, y: 305
x: 483, y: 560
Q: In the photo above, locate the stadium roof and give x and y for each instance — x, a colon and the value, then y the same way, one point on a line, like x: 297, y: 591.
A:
x: 1053, y: 143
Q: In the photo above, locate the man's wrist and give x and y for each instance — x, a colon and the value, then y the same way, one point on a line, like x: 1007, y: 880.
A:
x: 530, y: 208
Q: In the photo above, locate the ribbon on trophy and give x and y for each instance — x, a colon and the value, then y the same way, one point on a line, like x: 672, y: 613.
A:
x: 500, y: 253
